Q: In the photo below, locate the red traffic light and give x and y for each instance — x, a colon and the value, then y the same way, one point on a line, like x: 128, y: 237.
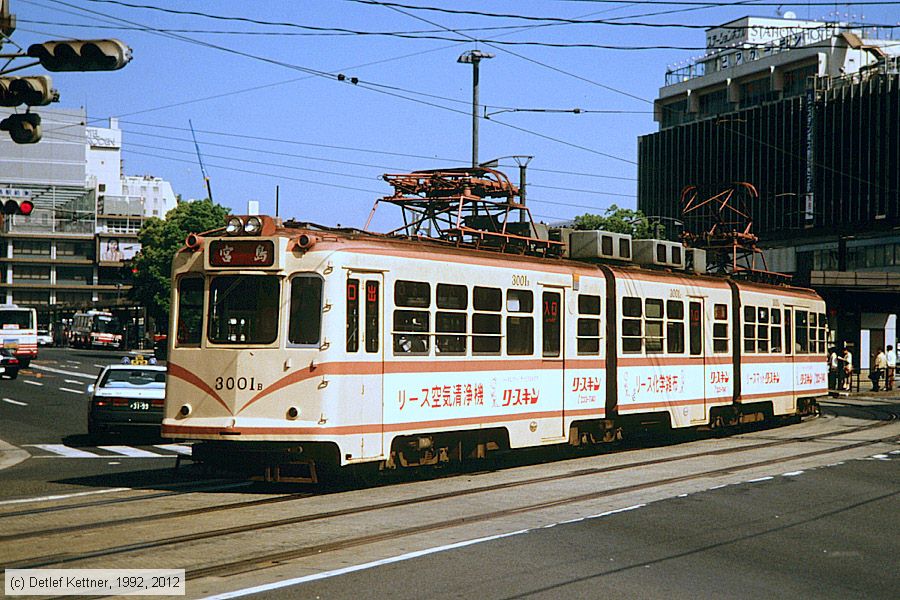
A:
x: 17, y: 207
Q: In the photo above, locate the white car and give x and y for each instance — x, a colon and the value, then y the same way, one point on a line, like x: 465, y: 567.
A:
x: 44, y: 338
x: 125, y: 397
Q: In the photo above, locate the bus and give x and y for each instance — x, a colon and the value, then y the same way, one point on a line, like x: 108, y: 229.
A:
x: 96, y: 329
x: 18, y: 328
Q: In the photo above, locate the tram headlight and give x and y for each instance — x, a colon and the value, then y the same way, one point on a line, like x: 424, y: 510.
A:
x: 253, y: 226
x: 293, y: 412
x: 234, y: 226
x: 185, y: 410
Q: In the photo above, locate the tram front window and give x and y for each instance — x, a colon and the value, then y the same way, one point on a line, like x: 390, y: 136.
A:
x: 243, y: 309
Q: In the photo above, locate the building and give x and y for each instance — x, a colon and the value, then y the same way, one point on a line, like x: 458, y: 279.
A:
x: 72, y: 252
x: 808, y: 113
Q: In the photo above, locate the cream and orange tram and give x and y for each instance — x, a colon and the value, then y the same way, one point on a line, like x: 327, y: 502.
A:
x: 293, y: 345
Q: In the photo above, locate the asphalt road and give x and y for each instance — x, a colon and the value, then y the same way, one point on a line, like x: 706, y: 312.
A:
x: 826, y: 533
x: 44, y: 413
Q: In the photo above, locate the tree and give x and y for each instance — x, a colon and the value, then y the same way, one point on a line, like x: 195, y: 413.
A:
x: 160, y: 240
x: 617, y: 220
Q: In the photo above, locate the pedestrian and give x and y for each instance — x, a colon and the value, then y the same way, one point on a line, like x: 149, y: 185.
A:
x: 833, y: 365
x: 891, y: 357
x: 846, y: 372
x: 879, y: 368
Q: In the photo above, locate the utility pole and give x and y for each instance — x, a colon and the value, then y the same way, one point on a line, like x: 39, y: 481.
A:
x: 474, y: 57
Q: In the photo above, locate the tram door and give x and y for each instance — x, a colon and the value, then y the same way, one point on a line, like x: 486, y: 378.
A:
x: 696, y: 345
x: 365, y: 322
x: 553, y: 350
x: 789, y: 346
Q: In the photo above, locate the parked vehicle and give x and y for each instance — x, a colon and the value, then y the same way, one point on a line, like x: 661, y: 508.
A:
x: 9, y: 364
x: 126, y: 397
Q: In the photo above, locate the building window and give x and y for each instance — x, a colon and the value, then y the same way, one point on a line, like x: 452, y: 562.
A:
x: 31, y: 248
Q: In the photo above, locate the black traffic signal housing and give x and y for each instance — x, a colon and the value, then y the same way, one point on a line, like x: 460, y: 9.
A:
x: 33, y: 90
x: 81, y: 55
x: 12, y: 206
x: 23, y: 129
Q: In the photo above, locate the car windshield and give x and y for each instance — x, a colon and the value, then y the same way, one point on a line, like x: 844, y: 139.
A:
x: 134, y: 378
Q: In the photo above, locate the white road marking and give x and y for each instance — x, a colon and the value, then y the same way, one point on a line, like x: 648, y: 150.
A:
x: 616, y: 511
x: 792, y: 474
x: 16, y: 402
x: 376, y: 563
x: 63, y: 496
x: 881, y: 456
x: 62, y: 372
x: 132, y: 452
x: 178, y: 448
x: 66, y: 451
x: 71, y: 391
x: 99, y: 366
x: 73, y: 362
x: 29, y: 382
x: 758, y: 479
x: 73, y: 381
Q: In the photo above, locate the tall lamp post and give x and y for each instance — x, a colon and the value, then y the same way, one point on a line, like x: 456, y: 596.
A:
x: 474, y: 57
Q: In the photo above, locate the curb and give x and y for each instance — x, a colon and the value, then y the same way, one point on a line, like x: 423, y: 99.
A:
x: 11, y: 455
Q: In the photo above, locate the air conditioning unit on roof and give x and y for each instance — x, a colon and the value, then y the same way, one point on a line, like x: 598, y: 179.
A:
x: 600, y: 244
x: 660, y: 253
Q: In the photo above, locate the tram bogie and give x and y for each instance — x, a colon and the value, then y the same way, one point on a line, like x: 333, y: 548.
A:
x: 354, y: 348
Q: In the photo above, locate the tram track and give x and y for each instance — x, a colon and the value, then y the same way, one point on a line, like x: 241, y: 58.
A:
x: 65, y: 558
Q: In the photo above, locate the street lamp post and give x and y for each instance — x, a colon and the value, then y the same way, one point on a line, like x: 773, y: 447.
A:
x: 474, y: 57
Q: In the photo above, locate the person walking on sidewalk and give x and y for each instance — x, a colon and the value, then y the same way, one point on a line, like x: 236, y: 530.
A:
x: 891, y: 357
x: 878, y: 370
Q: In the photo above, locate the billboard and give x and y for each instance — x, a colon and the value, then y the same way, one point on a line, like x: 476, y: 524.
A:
x: 113, y: 250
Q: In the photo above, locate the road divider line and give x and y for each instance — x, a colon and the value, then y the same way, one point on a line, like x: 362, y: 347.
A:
x: 71, y: 391
x: 73, y: 381
x: 178, y: 448
x: 66, y: 451
x: 16, y: 402
x: 133, y: 452
x: 29, y: 382
x: 62, y: 372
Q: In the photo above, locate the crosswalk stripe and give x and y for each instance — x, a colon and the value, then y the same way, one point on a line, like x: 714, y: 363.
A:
x: 16, y: 402
x: 71, y: 391
x: 186, y: 450
x: 33, y: 382
x: 66, y: 451
x: 74, y: 382
x: 133, y: 452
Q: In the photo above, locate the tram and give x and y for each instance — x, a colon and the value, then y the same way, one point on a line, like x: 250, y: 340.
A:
x: 297, y: 348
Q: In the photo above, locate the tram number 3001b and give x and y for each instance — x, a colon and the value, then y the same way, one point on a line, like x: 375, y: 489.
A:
x: 237, y: 383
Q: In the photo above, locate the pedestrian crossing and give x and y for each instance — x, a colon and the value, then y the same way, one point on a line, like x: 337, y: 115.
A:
x: 155, y: 451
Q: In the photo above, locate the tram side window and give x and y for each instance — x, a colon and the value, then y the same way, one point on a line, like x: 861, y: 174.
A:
x: 352, y: 315
x: 190, y: 311
x: 801, y: 331
x: 653, y: 326
x: 775, y: 331
x: 696, y: 325
x: 750, y: 329
x: 411, y: 327
x: 762, y: 329
x: 372, y: 316
x: 588, y: 324
x: 306, y: 310
x: 632, y: 326
x: 486, y: 320
x: 450, y: 323
x: 519, y: 328
x: 720, y: 330
x: 813, y: 332
x: 552, y: 323
x: 674, y: 327
x: 243, y: 309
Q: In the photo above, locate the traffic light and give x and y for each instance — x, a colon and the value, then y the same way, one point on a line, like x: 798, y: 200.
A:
x: 33, y: 91
x: 17, y: 207
x: 81, y: 55
x: 23, y: 129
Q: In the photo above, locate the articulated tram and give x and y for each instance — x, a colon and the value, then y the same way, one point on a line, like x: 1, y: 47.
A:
x: 296, y: 345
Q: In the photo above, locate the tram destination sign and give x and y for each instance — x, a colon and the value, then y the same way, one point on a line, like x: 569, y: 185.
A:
x: 242, y: 253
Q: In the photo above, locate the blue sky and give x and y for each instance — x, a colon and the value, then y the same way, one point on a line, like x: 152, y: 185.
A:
x: 268, y: 109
